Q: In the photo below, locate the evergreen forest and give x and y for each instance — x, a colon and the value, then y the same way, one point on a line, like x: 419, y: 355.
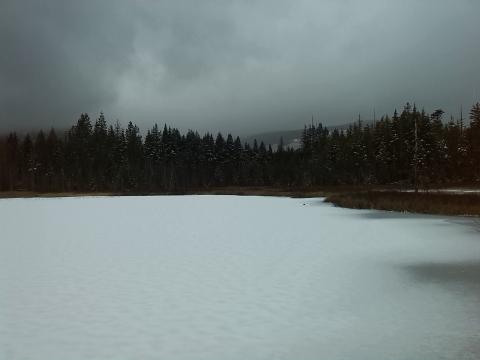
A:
x: 411, y: 148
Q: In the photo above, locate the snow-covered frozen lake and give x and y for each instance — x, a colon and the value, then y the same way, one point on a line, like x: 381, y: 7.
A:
x: 225, y: 277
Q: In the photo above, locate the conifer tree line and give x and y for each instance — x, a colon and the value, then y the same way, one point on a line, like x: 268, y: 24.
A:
x: 410, y: 148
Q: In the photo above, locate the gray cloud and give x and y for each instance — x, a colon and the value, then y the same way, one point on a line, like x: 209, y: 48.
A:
x: 241, y: 66
x: 60, y: 58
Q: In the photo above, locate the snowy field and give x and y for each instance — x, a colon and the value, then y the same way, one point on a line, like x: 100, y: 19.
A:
x: 224, y: 277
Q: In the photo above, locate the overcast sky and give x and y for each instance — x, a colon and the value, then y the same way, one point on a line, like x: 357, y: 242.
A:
x: 242, y: 66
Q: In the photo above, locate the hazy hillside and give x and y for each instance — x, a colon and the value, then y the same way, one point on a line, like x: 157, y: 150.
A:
x: 291, y: 138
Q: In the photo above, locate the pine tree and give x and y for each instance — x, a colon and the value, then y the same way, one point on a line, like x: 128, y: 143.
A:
x: 41, y: 161
x: 134, y: 154
x: 55, y: 168
x: 12, y: 161
x: 28, y: 164
x: 101, y: 151
x: 474, y: 142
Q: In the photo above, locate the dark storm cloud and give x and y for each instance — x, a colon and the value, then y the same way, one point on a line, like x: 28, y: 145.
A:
x: 240, y: 66
x: 59, y: 58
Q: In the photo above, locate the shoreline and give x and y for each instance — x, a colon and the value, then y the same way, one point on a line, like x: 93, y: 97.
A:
x: 432, y: 202
x: 451, y: 202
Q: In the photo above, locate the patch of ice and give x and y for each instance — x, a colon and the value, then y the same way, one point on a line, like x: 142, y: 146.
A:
x: 224, y: 277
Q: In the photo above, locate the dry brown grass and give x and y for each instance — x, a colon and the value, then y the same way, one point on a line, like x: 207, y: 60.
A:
x: 264, y: 191
x: 33, y: 194
x: 240, y: 191
x: 428, y: 203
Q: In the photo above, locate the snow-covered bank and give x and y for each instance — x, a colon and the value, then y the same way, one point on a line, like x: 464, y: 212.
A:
x: 224, y: 277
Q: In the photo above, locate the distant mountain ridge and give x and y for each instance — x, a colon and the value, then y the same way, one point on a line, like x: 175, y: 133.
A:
x: 291, y: 138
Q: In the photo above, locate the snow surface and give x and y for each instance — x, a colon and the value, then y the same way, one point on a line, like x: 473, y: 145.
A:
x: 224, y: 277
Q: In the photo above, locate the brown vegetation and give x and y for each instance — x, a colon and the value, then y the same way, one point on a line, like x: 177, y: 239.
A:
x: 423, y: 202
x: 230, y: 190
